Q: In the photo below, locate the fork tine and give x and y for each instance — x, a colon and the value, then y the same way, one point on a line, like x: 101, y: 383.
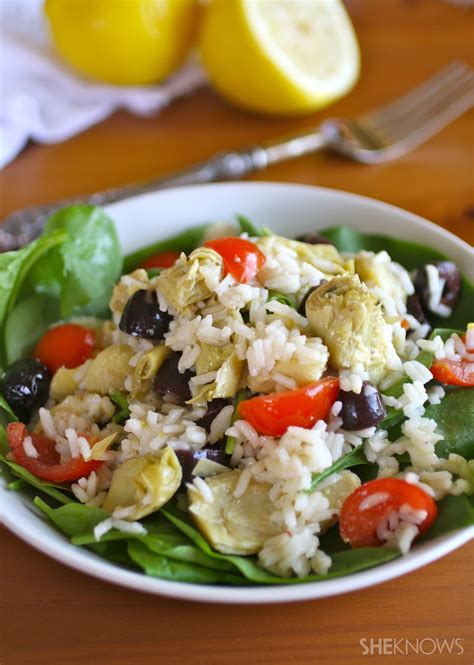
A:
x: 418, y: 95
x: 395, y: 129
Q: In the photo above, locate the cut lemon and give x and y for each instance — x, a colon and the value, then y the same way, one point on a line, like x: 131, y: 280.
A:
x: 280, y: 56
x: 123, y: 41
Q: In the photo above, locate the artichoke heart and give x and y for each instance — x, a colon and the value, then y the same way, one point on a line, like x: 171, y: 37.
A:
x: 226, y: 384
x: 337, y: 493
x: 144, y: 483
x: 233, y: 525
x: 191, y: 279
x: 375, y: 272
x: 109, y: 369
x: 64, y: 383
x: 349, y: 320
x: 324, y: 257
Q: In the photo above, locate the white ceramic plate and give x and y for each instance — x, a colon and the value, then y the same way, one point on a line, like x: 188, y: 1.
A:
x: 289, y: 210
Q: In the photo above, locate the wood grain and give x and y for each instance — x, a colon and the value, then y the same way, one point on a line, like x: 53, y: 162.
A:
x: 56, y: 616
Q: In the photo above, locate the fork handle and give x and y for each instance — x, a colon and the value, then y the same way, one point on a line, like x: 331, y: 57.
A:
x: 24, y: 225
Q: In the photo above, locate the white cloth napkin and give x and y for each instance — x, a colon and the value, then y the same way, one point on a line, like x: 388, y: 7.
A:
x: 42, y: 99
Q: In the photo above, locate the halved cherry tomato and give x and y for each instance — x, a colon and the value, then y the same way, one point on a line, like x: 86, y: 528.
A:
x: 242, y: 259
x: 161, y: 260
x: 272, y: 414
x: 47, y: 465
x: 358, y: 524
x: 453, y: 372
x: 68, y: 345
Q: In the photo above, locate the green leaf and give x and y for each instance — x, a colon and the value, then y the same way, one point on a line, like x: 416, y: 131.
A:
x: 52, y: 490
x: 4, y: 406
x: 355, y: 457
x: 183, y: 242
x: 83, y: 270
x: 123, y: 412
x: 246, y: 226
x: 156, y: 565
x: 454, y: 512
x: 14, y: 268
x: 16, y: 485
x: 281, y: 297
x: 454, y: 417
x: 411, y: 255
x: 28, y: 320
x: 73, y: 518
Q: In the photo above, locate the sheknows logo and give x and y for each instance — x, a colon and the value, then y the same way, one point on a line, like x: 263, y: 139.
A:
x: 426, y: 646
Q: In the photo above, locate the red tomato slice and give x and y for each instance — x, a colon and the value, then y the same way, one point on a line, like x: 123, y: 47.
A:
x: 358, y: 526
x: 46, y: 466
x: 242, y: 259
x: 68, y: 345
x: 161, y: 260
x: 453, y: 372
x: 272, y: 414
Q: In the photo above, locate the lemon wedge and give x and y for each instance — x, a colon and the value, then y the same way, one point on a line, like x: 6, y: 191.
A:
x: 123, y: 41
x: 279, y: 56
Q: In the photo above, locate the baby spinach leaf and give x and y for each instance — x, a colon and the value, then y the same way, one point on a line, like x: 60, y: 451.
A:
x: 411, y: 255
x: 355, y: 457
x: 115, y: 551
x: 454, y: 512
x: 52, y: 490
x: 182, y: 242
x: 73, y: 518
x: 246, y: 226
x: 157, y: 565
x: 454, y: 417
x: 27, y: 321
x: 4, y: 406
x: 16, y: 485
x: 84, y: 268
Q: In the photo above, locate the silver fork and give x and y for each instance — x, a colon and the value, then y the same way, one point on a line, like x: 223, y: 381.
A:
x: 380, y: 135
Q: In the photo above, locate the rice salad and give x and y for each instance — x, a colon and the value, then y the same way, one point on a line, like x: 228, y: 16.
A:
x: 275, y: 403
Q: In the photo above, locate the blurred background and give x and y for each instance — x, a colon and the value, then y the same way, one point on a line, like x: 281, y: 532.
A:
x: 98, y: 93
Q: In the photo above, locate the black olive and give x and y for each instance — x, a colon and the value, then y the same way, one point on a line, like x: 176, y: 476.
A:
x: 416, y: 310
x: 302, y: 307
x: 142, y: 316
x: 189, y: 458
x: 26, y: 386
x: 364, y: 410
x: 170, y: 384
x: 452, y: 289
x: 214, y: 407
x: 314, y: 239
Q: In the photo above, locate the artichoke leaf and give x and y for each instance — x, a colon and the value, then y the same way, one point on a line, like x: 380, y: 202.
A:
x: 233, y: 525
x: 226, y: 383
x: 191, y: 279
x: 126, y: 287
x: 100, y: 448
x: 147, y: 368
x: 64, y: 383
x: 349, y: 320
x: 211, y: 358
x: 374, y: 272
x: 144, y: 483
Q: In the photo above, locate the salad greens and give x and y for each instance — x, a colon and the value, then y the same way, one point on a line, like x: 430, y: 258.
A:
x: 71, y: 270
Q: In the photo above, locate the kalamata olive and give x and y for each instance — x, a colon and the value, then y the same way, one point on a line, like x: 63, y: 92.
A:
x: 26, y: 386
x: 416, y: 310
x: 314, y: 239
x: 214, y: 407
x: 302, y: 307
x: 142, y: 316
x: 170, y: 384
x: 448, y: 271
x: 189, y: 458
x: 364, y: 410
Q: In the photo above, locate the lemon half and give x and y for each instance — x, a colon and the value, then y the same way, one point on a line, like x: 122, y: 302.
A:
x: 280, y: 56
x: 123, y: 41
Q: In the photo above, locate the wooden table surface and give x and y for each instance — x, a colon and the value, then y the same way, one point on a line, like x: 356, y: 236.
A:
x: 54, y: 615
